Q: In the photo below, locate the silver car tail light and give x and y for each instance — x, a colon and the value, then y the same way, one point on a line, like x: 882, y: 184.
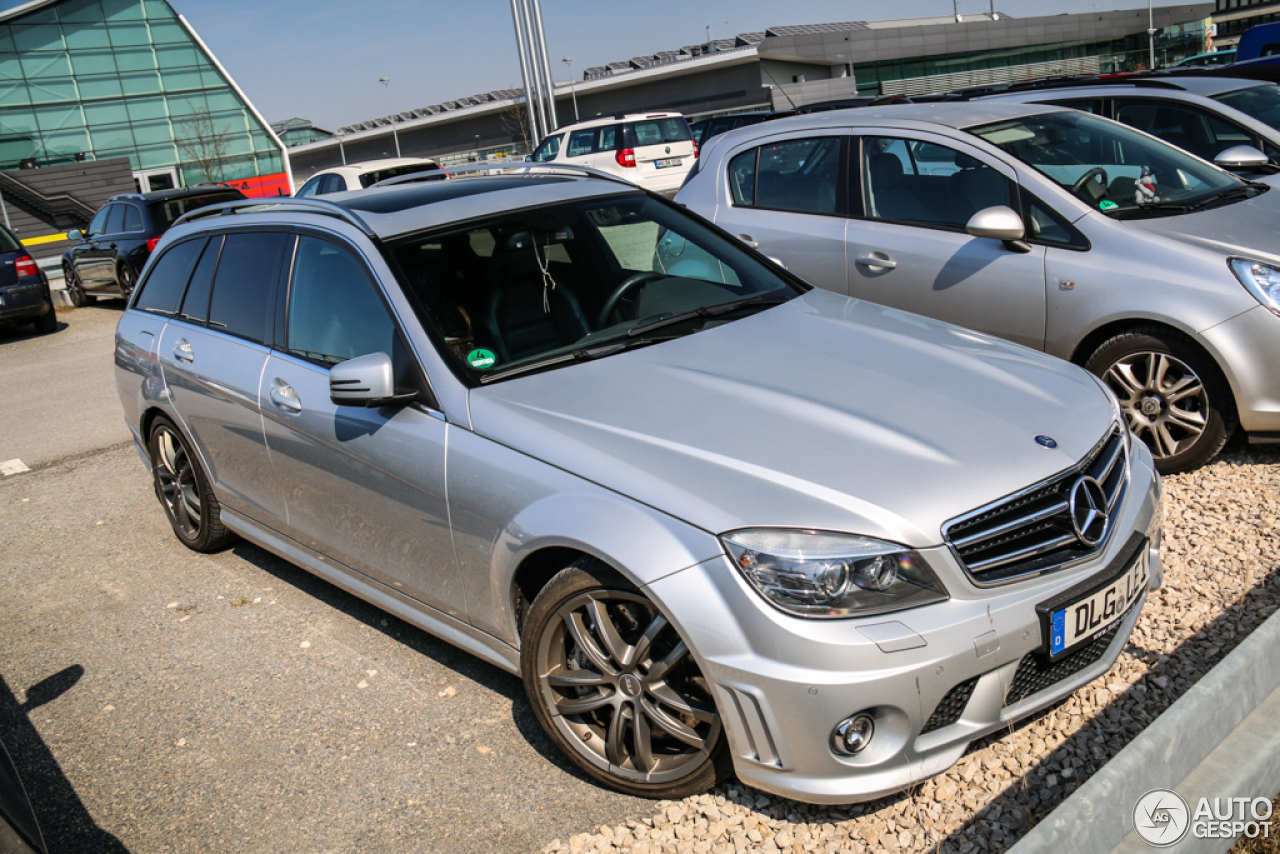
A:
x: 1053, y: 524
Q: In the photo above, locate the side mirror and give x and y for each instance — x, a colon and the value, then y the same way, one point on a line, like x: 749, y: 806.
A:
x: 999, y: 223
x: 1243, y: 158
x: 75, y: 234
x: 365, y: 381
x: 528, y: 158
x: 777, y: 261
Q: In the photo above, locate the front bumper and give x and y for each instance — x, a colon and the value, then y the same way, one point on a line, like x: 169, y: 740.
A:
x: 782, y: 683
x: 1247, y: 347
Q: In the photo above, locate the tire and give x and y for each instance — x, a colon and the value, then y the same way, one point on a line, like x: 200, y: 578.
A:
x: 75, y: 289
x: 597, y: 657
x: 1172, y: 393
x: 47, y: 322
x: 126, y: 278
x: 183, y: 490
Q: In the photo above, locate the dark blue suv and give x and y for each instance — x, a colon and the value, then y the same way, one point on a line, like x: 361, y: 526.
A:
x: 24, y: 288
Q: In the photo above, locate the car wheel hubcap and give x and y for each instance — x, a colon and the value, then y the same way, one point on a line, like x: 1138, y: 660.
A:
x: 176, y: 481
x: 1163, y: 399
x: 621, y: 686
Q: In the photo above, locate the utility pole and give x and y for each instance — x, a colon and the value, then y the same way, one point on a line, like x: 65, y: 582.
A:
x: 568, y: 60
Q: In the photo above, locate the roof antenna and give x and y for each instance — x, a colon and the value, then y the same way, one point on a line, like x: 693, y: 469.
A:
x: 780, y: 89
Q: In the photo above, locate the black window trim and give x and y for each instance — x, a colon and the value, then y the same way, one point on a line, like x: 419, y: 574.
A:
x: 1080, y: 243
x: 843, y: 196
x: 428, y: 401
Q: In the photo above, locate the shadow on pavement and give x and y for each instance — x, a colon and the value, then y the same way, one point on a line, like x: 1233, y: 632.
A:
x: 66, y: 824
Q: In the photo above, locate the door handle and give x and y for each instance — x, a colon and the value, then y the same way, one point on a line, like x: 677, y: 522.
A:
x: 284, y: 396
x: 183, y: 352
x: 746, y: 238
x: 877, y: 261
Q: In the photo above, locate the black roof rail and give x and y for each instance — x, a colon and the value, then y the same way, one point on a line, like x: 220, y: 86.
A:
x: 1073, y: 82
x: 522, y: 168
x: 317, y: 206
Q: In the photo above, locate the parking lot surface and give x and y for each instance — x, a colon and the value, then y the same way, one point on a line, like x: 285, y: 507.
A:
x: 159, y: 700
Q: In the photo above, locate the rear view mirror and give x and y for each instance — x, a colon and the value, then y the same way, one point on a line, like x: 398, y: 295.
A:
x: 999, y: 223
x: 365, y: 381
x: 1243, y: 158
x: 75, y: 234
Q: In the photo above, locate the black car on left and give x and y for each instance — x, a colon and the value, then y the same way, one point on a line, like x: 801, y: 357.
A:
x: 24, y: 288
x: 108, y: 257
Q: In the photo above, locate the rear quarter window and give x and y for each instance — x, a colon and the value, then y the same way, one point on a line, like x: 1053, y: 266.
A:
x: 162, y: 289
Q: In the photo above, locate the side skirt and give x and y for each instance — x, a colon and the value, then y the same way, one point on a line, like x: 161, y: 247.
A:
x: 410, y: 610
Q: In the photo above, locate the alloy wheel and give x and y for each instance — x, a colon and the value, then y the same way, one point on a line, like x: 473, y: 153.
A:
x: 623, y: 690
x: 176, y: 482
x: 1163, y: 399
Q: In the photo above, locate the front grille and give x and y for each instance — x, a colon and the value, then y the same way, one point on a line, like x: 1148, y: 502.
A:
x: 1036, y: 672
x: 1031, y: 531
x: 951, y: 706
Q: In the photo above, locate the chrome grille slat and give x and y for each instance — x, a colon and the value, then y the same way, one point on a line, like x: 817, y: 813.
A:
x: 1011, y: 525
x: 1031, y: 532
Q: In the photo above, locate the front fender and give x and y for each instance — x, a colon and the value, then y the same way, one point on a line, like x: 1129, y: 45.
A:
x: 506, y: 506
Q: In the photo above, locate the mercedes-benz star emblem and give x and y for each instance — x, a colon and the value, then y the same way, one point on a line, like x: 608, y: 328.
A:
x: 1046, y: 442
x: 1089, y: 511
x: 668, y: 149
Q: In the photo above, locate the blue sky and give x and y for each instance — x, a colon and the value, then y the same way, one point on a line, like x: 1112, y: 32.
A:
x: 321, y: 59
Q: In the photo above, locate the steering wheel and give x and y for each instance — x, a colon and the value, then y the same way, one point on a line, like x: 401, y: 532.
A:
x: 627, y: 284
x: 1081, y: 186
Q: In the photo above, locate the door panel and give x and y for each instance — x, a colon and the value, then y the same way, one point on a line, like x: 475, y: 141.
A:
x: 214, y: 381
x: 364, y: 486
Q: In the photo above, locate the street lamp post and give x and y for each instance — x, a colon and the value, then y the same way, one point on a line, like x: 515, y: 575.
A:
x: 386, y: 81
x: 568, y: 60
x: 1151, y: 36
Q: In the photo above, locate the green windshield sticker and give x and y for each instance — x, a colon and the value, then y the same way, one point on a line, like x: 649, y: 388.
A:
x: 1108, y: 205
x: 481, y: 360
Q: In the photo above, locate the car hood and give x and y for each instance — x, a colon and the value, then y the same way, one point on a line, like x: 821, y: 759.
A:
x: 1246, y: 227
x: 825, y: 412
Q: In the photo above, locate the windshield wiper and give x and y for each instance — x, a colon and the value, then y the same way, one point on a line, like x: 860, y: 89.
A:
x: 763, y: 300
x: 582, y: 354
x: 1248, y: 191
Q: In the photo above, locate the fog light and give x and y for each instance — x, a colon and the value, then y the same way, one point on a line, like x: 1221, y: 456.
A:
x: 853, y: 734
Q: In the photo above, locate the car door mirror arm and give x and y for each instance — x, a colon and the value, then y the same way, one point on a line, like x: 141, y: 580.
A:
x: 1020, y: 246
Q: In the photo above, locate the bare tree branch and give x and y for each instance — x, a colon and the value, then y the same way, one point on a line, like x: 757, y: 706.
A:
x: 203, y: 144
x: 515, y: 121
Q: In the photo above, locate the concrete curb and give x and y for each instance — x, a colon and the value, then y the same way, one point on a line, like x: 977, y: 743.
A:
x: 1219, y: 740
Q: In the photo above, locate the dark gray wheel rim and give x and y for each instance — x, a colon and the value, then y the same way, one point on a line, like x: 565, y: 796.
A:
x: 73, y: 286
x: 1163, y: 399
x: 623, y: 690
x: 126, y: 281
x: 176, y: 482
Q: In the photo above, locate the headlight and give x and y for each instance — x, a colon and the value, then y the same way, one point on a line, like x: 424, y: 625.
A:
x: 820, y: 574
x: 1261, y: 280
x: 1117, y: 414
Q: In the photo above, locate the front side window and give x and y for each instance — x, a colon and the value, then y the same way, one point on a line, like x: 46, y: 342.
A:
x: 243, y: 284
x: 579, y: 281
x: 99, y: 223
x: 924, y: 183
x: 1259, y: 102
x: 549, y: 149
x: 1113, y: 167
x: 335, y: 312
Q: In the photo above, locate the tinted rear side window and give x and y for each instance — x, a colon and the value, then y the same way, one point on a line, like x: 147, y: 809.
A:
x: 132, y: 219
x: 195, y: 305
x: 115, y: 219
x: 163, y: 287
x: 243, y: 284
x: 9, y: 243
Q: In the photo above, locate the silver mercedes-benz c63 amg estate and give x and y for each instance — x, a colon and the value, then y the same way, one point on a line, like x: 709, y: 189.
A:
x: 717, y: 520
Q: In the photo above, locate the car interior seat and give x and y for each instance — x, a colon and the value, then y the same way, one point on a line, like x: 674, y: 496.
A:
x: 524, y: 314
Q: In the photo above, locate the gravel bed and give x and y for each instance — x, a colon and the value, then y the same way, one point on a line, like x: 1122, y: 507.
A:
x: 1221, y: 557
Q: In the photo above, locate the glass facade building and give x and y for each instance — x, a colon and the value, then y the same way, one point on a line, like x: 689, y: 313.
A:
x: 97, y: 79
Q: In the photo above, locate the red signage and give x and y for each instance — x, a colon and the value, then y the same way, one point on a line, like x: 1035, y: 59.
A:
x: 263, y: 186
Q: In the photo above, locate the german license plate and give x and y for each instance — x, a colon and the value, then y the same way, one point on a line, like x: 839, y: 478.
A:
x: 1094, y: 613
x: 671, y: 161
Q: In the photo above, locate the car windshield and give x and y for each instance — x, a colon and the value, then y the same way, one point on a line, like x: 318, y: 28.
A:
x: 368, y: 179
x: 1118, y: 170
x: 1260, y: 102
x: 547, y: 287
x: 164, y: 213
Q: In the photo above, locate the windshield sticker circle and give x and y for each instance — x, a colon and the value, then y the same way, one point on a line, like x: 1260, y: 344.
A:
x: 1108, y: 205
x: 481, y: 360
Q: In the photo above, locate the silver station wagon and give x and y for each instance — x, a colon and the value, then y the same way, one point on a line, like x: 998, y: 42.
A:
x: 718, y: 521
x: 1057, y: 229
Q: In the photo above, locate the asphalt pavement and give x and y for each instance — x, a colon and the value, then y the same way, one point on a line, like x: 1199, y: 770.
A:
x: 157, y: 700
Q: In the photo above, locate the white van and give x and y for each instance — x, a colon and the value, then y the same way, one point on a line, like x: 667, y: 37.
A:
x: 653, y: 150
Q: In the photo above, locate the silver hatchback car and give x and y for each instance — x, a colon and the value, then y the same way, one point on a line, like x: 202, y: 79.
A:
x: 1057, y: 229
x: 717, y: 520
